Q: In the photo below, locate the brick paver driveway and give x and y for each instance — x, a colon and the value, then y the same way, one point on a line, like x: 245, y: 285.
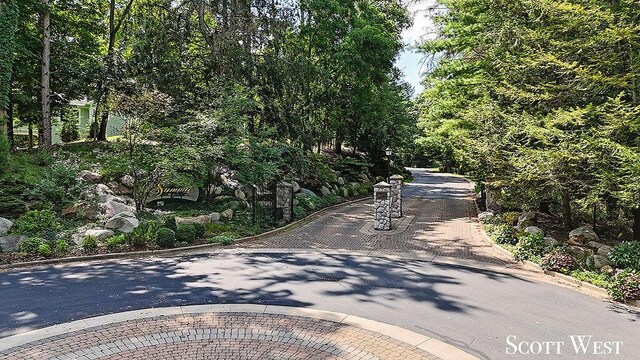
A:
x: 444, y: 224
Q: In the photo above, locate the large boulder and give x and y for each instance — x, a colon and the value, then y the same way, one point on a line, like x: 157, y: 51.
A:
x: 124, y: 222
x: 608, y: 270
x: 597, y: 261
x: 202, y: 220
x: 604, y: 250
x: 296, y: 186
x: 227, y: 214
x: 307, y: 192
x: 104, y: 193
x: 551, y: 242
x: 113, y: 208
x: 363, y: 177
x: 582, y: 236
x: 11, y: 243
x: 526, y: 219
x: 486, y: 217
x: 127, y: 181
x: 80, y: 209
x: 215, y: 216
x: 533, y: 230
x: 5, y: 226
x: 341, y: 180
x: 580, y: 252
x: 240, y: 194
x: 99, y: 234
x: 90, y: 176
x: 119, y: 189
x: 78, y: 234
x: 325, y: 191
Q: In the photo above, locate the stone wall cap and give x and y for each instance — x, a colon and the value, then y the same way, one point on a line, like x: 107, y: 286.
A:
x: 396, y: 177
x: 382, y: 184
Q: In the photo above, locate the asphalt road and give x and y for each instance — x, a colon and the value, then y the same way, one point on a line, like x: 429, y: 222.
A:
x: 474, y: 309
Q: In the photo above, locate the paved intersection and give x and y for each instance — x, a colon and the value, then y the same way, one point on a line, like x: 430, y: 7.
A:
x: 474, y: 308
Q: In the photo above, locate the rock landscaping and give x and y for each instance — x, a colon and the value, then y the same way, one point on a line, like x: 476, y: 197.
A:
x: 105, y: 213
x: 582, y: 254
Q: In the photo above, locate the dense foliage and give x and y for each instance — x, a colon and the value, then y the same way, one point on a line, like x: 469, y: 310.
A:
x: 245, y: 85
x: 539, y: 99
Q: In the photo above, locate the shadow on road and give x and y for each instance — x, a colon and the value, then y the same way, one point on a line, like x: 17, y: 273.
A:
x: 41, y: 297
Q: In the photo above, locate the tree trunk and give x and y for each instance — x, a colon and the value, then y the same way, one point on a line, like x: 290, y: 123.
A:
x: 46, y: 77
x: 339, y: 141
x: 636, y: 224
x: 9, y: 124
x: 30, y: 136
x: 566, y: 208
x: 102, y: 133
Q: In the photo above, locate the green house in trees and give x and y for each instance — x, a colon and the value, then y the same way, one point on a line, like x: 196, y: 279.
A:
x: 86, y: 111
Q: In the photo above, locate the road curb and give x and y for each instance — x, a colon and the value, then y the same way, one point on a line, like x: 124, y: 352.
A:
x: 436, y: 347
x: 565, y: 279
x: 165, y: 252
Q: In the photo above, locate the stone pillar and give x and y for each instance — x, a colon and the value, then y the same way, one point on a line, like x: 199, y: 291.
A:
x: 382, y: 206
x: 493, y: 193
x: 396, y: 196
x: 284, y: 200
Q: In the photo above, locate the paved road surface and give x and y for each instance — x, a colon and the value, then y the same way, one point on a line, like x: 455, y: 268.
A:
x: 472, y: 308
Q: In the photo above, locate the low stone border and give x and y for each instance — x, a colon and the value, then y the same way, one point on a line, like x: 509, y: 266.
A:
x: 565, y: 279
x: 579, y: 285
x: 165, y: 252
x: 436, y: 347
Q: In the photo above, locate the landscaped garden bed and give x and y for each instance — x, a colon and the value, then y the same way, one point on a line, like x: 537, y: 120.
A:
x: 77, y: 208
x: 582, y: 255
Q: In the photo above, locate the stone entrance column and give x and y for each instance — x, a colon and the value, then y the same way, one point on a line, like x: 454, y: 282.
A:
x: 396, y: 196
x: 284, y: 200
x: 382, y: 206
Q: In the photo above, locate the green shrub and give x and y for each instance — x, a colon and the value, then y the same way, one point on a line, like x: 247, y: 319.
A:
x: 165, y: 238
x: 200, y: 230
x: 626, y: 286
x: 592, y: 277
x: 530, y: 247
x: 213, y: 229
x: 116, y: 242
x: 44, y: 250
x: 180, y: 244
x: 62, y: 247
x: 559, y: 260
x: 142, y: 235
x: 37, y: 221
x: 186, y: 232
x: 58, y: 186
x: 221, y: 239
x: 31, y: 245
x: 506, y: 234
x: 170, y: 222
x: 626, y: 255
x: 323, y: 172
x: 509, y: 218
x: 366, y: 188
x: 89, y: 243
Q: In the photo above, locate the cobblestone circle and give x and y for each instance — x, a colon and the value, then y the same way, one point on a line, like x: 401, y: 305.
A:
x: 220, y: 336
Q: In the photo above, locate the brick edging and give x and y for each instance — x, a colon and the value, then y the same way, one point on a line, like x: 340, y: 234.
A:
x: 148, y: 253
x: 433, y: 346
